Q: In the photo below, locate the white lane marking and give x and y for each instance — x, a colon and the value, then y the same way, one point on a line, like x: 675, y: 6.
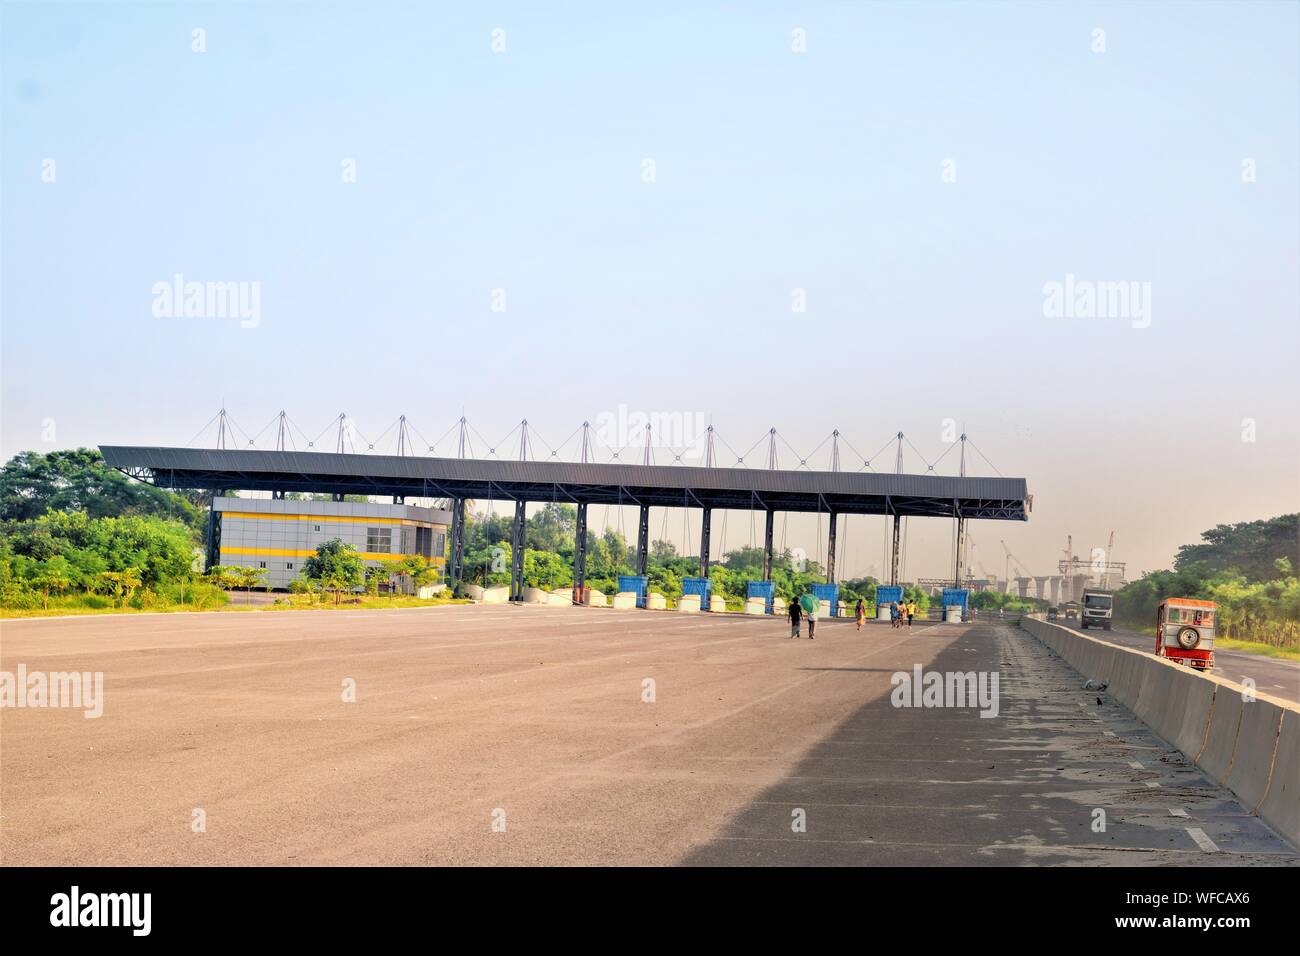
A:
x: 1153, y: 785
x: 1109, y: 733
x: 1204, y: 842
x: 1135, y: 765
x: 1178, y: 812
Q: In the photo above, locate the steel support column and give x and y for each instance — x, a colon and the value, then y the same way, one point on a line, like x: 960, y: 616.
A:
x: 643, y: 540
x: 213, y: 555
x: 456, y: 547
x: 768, y: 527
x: 517, y: 552
x: 580, y: 554
x: 706, y: 526
x: 893, y: 554
x: 958, y: 570
x: 830, y: 552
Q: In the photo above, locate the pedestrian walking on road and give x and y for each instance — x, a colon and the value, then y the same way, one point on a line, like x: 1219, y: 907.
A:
x: 861, y: 613
x: 894, y: 617
x: 911, y: 612
x: 795, y: 613
x: 809, y: 603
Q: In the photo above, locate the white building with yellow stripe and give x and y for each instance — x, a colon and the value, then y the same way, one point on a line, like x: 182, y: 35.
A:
x: 280, y: 535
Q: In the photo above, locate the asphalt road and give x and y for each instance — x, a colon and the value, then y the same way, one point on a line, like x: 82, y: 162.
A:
x: 529, y: 735
x: 1272, y: 675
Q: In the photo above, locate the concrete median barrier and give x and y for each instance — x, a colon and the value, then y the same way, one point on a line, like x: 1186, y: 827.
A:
x: 1194, y: 722
x: 1281, y: 804
x: 1253, y: 762
x: 656, y: 601
x: 689, y: 604
x: 1252, y: 747
x: 1220, y: 747
x: 625, y: 600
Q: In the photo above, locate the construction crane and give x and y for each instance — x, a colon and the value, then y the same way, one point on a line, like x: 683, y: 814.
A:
x: 1082, y: 570
x: 1019, y: 564
x: 1110, y: 556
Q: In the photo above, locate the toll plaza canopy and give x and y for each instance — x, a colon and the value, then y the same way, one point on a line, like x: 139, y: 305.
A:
x: 671, y: 486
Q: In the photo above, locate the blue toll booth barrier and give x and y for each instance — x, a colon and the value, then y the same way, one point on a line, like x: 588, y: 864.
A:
x: 763, y: 589
x: 637, y: 584
x: 957, y: 597
x: 828, y: 592
x: 887, y: 594
x: 701, y: 586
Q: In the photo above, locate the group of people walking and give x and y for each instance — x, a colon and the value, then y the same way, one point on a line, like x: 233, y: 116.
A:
x: 806, y: 605
x: 897, y: 612
x: 803, y: 606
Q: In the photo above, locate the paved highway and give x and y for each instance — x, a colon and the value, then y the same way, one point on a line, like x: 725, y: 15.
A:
x: 1271, y: 675
x: 517, y: 735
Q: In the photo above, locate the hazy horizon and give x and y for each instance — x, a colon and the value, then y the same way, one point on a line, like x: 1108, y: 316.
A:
x: 875, y: 218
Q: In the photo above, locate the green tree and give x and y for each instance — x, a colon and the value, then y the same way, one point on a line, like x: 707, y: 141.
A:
x: 32, y: 483
x: 546, y: 570
x: 120, y: 584
x: 420, y: 570
x: 247, y: 578
x: 1250, y: 548
x: 552, y: 529
x: 55, y: 577
x: 663, y: 550
x: 336, y: 567
x: 307, y: 586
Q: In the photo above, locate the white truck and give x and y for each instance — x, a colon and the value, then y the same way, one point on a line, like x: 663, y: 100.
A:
x: 1097, y: 606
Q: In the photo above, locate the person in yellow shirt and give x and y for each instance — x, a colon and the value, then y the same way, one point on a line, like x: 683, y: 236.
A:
x: 911, y: 612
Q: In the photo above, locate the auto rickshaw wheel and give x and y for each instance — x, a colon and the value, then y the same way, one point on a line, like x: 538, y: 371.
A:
x: 1188, y: 638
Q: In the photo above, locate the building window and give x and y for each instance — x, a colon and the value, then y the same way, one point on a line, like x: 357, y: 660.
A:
x: 261, y: 564
x: 288, y: 565
x: 379, y: 540
x: 315, y: 527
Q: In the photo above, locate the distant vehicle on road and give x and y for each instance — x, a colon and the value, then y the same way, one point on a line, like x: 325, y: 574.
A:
x: 1185, y: 631
x: 1053, y: 613
x: 1097, y: 606
x: 1071, y: 611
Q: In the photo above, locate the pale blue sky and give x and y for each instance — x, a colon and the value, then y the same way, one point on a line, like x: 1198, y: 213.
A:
x: 523, y: 170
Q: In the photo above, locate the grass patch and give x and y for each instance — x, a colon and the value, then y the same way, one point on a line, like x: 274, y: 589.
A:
x: 70, y: 608
x: 356, y: 602
x: 1255, y: 647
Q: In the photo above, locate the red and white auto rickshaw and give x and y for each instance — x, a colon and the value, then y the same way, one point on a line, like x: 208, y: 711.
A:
x: 1185, y: 631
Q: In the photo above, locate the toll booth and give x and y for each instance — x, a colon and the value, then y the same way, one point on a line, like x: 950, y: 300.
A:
x: 637, y: 584
x: 828, y: 592
x: 887, y: 594
x: 701, y: 586
x: 958, y: 598
x: 762, y: 589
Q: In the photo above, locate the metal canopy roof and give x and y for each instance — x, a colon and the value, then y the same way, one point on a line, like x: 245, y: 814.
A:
x: 672, y: 486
